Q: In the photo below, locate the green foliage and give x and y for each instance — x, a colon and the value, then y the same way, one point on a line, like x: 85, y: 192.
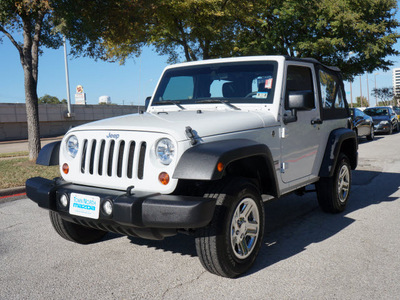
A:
x: 47, y: 99
x: 361, y: 102
x: 355, y: 35
x: 30, y: 17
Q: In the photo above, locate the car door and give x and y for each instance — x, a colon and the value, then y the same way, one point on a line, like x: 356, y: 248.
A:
x: 363, y: 126
x: 300, y: 140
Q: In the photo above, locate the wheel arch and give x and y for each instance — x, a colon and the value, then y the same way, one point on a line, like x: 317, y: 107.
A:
x: 240, y: 157
x: 49, y: 155
x: 342, y: 140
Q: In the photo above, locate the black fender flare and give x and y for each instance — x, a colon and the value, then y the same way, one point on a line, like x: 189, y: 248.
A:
x: 49, y: 155
x: 342, y: 139
x: 201, y: 162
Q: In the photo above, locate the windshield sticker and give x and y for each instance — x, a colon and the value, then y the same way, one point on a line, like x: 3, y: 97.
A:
x: 262, y: 95
x: 268, y: 83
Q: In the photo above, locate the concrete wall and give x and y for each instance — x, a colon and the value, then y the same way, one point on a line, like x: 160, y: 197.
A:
x: 53, y: 118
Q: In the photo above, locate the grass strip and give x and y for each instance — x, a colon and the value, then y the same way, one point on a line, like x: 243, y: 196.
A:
x: 15, y: 171
x: 14, y: 154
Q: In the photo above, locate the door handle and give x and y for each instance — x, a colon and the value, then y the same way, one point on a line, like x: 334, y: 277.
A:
x: 316, y: 121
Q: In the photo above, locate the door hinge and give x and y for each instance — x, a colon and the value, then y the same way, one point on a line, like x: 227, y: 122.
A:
x: 282, y: 132
x: 283, y: 167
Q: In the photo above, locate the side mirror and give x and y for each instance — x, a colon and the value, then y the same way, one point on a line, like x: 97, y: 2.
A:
x: 147, y: 102
x: 298, y: 100
x: 301, y: 100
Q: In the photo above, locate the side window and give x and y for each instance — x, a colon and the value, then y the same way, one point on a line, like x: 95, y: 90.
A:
x: 328, y: 89
x: 332, y: 95
x: 331, y: 92
x: 340, y: 101
x: 298, y: 79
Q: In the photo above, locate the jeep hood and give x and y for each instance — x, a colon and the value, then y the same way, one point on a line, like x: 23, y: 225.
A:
x: 204, y: 123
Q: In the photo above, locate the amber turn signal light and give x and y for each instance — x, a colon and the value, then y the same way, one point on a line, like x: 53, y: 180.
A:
x: 163, y: 178
x: 65, y: 168
x: 220, y: 167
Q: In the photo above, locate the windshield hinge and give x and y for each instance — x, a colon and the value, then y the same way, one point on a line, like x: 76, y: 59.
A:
x: 190, y: 135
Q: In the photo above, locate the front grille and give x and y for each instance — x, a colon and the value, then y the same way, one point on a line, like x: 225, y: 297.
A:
x: 376, y: 122
x: 113, y: 158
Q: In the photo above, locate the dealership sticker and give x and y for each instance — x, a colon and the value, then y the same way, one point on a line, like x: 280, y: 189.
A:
x: 84, y: 205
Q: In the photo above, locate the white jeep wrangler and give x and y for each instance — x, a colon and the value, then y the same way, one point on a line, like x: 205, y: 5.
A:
x: 217, y: 139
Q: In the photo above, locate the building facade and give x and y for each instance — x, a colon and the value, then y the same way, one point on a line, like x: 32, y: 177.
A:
x: 396, y: 81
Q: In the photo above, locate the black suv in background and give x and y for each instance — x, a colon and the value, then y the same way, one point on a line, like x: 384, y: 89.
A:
x: 385, y: 119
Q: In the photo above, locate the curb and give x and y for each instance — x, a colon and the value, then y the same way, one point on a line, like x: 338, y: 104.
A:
x: 7, y: 195
x: 12, y: 191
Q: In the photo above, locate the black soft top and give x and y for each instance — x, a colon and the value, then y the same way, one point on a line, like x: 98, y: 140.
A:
x: 314, y: 61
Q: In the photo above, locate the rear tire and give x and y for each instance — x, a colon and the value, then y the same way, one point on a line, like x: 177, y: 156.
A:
x: 333, y: 192
x: 229, y: 245
x: 75, y: 232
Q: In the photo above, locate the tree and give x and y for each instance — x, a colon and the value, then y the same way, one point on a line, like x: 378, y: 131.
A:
x: 385, y: 95
x: 361, y: 102
x: 356, y: 36
x: 41, y: 23
x: 190, y: 29
x: 47, y: 99
x: 30, y: 17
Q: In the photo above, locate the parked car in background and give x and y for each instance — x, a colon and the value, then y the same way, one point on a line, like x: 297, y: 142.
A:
x: 397, y: 111
x: 384, y: 117
x: 363, y: 124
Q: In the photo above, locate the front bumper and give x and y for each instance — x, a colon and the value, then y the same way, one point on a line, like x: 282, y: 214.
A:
x: 131, y: 212
x: 379, y: 128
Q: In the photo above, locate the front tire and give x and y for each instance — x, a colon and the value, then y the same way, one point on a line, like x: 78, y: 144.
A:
x: 390, y: 129
x: 229, y: 245
x: 371, y: 135
x: 75, y: 232
x: 333, y: 192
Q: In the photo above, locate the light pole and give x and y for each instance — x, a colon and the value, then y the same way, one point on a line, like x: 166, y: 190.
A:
x: 376, y: 101
x: 360, y: 92
x: 69, y: 113
x: 369, y: 103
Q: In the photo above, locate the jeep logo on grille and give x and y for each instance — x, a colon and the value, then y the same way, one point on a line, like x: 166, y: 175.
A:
x: 112, y: 136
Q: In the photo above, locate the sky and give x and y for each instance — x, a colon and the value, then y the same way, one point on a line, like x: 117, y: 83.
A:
x: 127, y: 84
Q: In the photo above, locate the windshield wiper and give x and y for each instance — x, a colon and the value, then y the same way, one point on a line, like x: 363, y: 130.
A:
x: 225, y: 102
x: 169, y: 102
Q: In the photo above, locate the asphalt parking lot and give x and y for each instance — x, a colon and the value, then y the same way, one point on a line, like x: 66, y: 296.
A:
x: 306, y: 254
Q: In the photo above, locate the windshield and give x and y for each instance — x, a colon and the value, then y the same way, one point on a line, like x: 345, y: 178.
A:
x: 250, y: 82
x: 376, y: 112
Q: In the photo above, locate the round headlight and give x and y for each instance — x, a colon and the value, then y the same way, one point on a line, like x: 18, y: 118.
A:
x: 165, y: 151
x: 72, y: 146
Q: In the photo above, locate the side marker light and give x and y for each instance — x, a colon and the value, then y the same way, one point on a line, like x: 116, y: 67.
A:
x: 65, y: 168
x: 163, y: 178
